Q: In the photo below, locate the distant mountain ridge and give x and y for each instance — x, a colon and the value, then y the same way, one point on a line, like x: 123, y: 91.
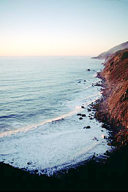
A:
x: 106, y: 54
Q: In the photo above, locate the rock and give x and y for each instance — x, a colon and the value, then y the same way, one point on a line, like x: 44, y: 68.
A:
x: 93, y: 157
x: 99, y: 74
x: 79, y: 114
x: 95, y: 139
x: 29, y: 163
x: 107, y: 152
x: 36, y: 171
x: 109, y: 144
x: 79, y: 80
x: 83, y: 115
x: 103, y: 136
x: 88, y: 127
x: 97, y: 84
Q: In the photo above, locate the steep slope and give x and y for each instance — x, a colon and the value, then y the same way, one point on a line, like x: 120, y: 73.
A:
x: 106, y: 54
x: 114, y: 105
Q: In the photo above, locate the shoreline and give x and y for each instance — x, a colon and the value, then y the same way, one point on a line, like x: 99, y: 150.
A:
x: 112, y: 108
x: 77, y: 154
x: 93, y: 174
x: 110, y: 174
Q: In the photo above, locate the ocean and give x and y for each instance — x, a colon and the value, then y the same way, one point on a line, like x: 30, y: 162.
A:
x: 40, y: 102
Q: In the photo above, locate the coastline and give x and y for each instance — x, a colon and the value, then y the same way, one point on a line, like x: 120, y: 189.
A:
x: 94, y: 174
x: 112, y: 108
x: 62, y: 142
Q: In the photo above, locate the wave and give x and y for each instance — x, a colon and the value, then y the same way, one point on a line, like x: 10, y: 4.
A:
x: 30, y: 127
x: 8, y: 116
x: 56, y: 119
x: 81, y: 156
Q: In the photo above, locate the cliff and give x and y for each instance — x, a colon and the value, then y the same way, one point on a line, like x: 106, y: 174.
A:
x: 113, y: 106
x: 111, y: 51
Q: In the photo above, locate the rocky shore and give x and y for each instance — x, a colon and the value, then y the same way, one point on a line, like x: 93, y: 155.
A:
x: 94, y: 174
x: 112, y: 108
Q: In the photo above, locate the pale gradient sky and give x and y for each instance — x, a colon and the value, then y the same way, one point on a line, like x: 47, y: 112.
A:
x: 61, y: 27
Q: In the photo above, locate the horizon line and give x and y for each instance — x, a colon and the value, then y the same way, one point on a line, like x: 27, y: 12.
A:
x: 46, y: 55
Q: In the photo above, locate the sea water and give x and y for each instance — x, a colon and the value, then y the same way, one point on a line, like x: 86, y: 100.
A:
x: 40, y: 98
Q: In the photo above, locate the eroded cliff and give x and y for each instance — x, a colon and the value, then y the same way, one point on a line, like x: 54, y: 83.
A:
x: 114, y: 104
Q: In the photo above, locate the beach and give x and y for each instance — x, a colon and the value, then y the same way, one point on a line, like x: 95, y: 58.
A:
x: 63, y: 95
x: 46, y: 121
x: 107, y: 171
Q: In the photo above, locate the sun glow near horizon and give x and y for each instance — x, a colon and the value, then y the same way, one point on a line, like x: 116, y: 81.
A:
x: 61, y: 28
x: 27, y: 48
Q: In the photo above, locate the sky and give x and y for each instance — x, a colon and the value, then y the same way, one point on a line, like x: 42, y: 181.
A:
x: 61, y: 27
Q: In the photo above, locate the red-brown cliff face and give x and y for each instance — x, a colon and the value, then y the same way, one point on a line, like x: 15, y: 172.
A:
x: 116, y: 75
x: 115, y: 103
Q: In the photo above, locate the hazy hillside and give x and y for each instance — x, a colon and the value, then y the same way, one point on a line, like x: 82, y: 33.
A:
x: 105, y: 55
